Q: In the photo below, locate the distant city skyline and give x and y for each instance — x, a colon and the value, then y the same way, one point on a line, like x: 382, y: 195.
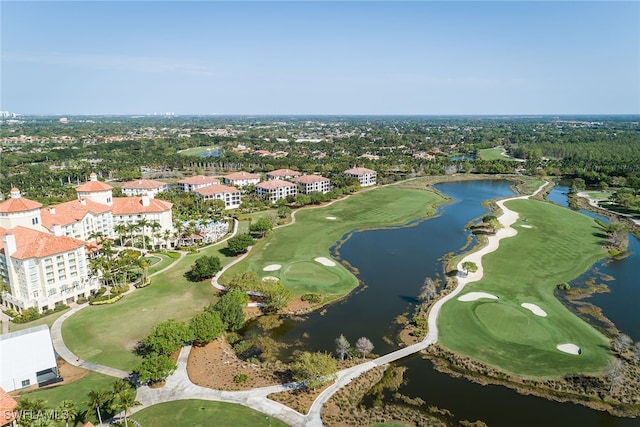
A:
x: 320, y: 58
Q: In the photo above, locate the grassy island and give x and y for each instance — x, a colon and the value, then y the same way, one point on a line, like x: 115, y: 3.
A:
x: 553, y: 245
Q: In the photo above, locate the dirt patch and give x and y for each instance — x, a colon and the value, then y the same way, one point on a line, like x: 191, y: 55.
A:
x: 216, y: 365
x: 68, y: 372
x: 297, y: 306
x: 299, y: 400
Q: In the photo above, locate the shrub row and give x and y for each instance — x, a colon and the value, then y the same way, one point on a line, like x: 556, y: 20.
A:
x: 143, y: 284
x: 31, y: 314
x: 102, y: 301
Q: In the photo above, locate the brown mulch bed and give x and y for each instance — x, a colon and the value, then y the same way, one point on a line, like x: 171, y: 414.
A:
x: 215, y: 366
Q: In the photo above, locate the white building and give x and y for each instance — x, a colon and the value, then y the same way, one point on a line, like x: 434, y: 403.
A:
x: 241, y: 179
x: 27, y: 358
x: 95, y: 190
x: 195, y: 182
x: 132, y: 210
x: 43, y: 270
x: 229, y: 195
x: 18, y: 211
x: 276, y: 189
x: 80, y: 219
x: 143, y: 187
x: 282, y: 174
x: 366, y: 176
x: 313, y: 183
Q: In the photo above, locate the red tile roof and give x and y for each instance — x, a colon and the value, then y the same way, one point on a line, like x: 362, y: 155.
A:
x: 241, y: 175
x: 309, y: 179
x: 133, y: 205
x: 7, y: 407
x: 93, y: 187
x: 271, y: 185
x: 359, y: 171
x: 199, y: 179
x: 37, y: 244
x: 18, y: 204
x: 70, y: 212
x: 143, y: 184
x: 216, y: 189
x: 284, y: 172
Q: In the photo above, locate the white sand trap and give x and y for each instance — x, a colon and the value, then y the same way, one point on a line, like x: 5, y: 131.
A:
x: 272, y: 267
x: 569, y: 348
x: 331, y: 218
x: 270, y: 279
x: 472, y: 296
x: 534, y: 309
x: 526, y: 226
x: 325, y: 261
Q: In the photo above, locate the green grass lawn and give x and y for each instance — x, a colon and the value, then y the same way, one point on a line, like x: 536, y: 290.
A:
x: 494, y: 153
x: 196, y: 151
x: 76, y: 391
x: 202, y: 413
x: 107, y: 334
x: 599, y: 195
x: 295, y: 247
x: 158, y: 261
x: 553, y: 245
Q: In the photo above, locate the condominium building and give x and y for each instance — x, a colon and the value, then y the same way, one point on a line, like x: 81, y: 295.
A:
x: 95, y: 190
x: 313, y: 183
x: 229, y: 195
x: 143, y: 187
x: 282, y: 174
x: 241, y: 179
x: 82, y: 219
x: 366, y: 176
x: 195, y: 182
x: 276, y: 189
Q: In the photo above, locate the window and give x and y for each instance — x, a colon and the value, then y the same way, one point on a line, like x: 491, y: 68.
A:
x: 34, y: 221
x: 26, y: 383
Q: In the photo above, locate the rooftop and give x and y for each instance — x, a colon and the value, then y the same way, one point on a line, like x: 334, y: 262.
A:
x: 199, y: 179
x: 359, y: 171
x: 272, y: 185
x: 18, y: 204
x: 143, y: 184
x: 37, y: 244
x: 284, y: 172
x: 135, y: 205
x: 242, y: 175
x: 93, y: 185
x: 309, y: 179
x: 216, y: 189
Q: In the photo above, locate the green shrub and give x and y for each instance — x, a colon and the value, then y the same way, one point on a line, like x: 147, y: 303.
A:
x: 82, y: 300
x: 240, y: 378
x: 143, y: 284
x: 105, y: 300
x: 10, y: 312
x: 312, y: 298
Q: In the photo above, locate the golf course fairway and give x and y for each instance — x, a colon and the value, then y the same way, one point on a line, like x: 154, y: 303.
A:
x: 296, y: 248
x: 553, y: 245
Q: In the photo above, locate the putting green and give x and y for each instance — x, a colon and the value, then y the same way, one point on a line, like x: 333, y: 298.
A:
x: 510, y: 324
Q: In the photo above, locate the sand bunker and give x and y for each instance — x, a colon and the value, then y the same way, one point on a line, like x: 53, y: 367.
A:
x: 569, y: 348
x: 534, y: 309
x: 332, y: 218
x: 325, y: 261
x: 526, y: 226
x: 272, y: 267
x: 270, y: 279
x: 472, y: 296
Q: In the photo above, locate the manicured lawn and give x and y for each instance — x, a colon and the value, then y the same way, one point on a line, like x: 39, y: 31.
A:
x: 46, y: 320
x: 76, y: 391
x: 295, y: 247
x: 202, y: 413
x: 196, y: 151
x: 158, y: 261
x: 599, y: 195
x: 494, y: 153
x: 108, y: 334
x: 553, y: 246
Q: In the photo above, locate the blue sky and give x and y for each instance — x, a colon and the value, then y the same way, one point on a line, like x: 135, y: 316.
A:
x: 428, y: 57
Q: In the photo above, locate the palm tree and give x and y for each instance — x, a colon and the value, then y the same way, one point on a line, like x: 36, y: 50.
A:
x: 68, y: 409
x: 143, y: 224
x: 167, y: 236
x: 155, y: 226
x: 126, y: 401
x: 121, y: 229
x: 97, y: 399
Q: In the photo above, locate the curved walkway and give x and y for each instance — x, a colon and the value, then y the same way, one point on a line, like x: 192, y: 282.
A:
x: 179, y: 387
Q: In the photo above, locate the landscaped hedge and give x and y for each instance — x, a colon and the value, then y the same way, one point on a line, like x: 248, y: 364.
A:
x: 31, y: 314
x: 143, y: 284
x: 100, y: 301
